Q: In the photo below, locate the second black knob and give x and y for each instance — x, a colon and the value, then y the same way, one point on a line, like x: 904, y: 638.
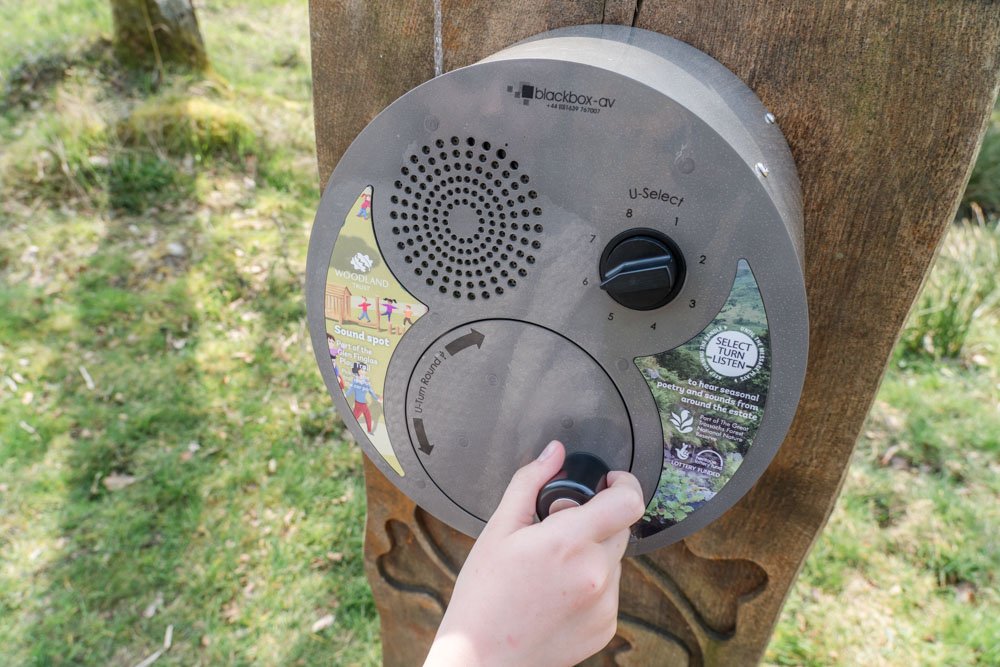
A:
x: 582, y: 477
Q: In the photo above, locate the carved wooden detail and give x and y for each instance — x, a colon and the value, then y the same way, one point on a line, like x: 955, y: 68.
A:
x: 674, y: 601
x: 883, y: 104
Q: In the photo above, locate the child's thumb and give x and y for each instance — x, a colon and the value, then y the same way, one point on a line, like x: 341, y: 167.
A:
x: 517, y: 507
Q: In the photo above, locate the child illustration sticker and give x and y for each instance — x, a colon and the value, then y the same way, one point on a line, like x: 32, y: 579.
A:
x: 335, y: 350
x: 362, y: 296
x: 364, y: 306
x: 710, y: 394
x: 359, y: 391
x: 366, y: 204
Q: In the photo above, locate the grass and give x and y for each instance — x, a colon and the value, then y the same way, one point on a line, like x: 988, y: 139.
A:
x: 963, y: 289
x: 983, y: 194
x: 40, y: 32
x: 169, y: 457
x: 906, y: 570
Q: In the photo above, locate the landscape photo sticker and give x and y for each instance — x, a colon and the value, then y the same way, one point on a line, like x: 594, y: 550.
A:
x: 367, y: 312
x: 710, y: 394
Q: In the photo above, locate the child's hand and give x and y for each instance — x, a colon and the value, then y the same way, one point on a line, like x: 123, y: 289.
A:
x: 540, y: 593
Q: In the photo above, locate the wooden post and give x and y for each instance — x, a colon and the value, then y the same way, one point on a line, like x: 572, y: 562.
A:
x: 884, y: 105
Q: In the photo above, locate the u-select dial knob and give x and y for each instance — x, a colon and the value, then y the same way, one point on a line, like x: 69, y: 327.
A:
x: 642, y: 269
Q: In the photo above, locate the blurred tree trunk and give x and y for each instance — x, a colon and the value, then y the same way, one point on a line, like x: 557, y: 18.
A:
x: 158, y: 32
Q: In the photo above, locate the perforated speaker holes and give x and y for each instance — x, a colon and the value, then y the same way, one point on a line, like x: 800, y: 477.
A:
x: 465, y: 217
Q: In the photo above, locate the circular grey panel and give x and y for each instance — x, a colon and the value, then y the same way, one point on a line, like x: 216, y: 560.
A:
x: 485, y: 398
x: 484, y: 199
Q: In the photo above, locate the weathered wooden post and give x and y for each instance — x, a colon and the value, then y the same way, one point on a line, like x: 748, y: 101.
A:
x: 884, y: 105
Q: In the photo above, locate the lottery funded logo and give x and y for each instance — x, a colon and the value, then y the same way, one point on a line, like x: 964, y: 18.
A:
x: 698, y: 461
x: 732, y: 353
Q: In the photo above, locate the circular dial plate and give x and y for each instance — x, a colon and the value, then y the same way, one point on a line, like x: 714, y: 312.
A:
x: 482, y: 398
x: 635, y: 153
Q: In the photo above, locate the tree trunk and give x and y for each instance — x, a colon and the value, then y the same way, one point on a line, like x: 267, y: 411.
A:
x: 157, y: 32
x: 884, y: 105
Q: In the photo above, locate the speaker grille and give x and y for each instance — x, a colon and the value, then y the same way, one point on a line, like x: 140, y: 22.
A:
x: 465, y: 217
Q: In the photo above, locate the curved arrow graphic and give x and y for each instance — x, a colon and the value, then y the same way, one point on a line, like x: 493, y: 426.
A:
x: 422, y: 443
x: 462, y: 342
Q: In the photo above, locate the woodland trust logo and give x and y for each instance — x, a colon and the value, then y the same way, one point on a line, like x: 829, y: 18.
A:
x: 362, y: 263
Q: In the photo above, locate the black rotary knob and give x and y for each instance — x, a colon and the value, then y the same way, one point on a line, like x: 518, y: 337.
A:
x: 642, y: 269
x: 582, y: 477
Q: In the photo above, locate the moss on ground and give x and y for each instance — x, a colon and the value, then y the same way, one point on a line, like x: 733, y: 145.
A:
x: 190, y: 126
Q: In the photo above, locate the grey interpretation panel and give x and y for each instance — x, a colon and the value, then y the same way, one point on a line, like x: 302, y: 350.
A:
x: 454, y: 278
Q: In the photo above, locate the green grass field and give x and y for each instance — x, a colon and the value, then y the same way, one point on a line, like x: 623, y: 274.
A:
x: 169, y: 456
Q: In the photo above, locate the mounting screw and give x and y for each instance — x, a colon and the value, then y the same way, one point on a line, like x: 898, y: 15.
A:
x: 769, y: 118
x: 761, y: 169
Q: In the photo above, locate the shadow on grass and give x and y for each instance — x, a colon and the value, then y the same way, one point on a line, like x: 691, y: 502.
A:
x: 133, y: 490
x: 83, y: 131
x: 30, y: 81
x: 204, y: 530
x: 163, y: 508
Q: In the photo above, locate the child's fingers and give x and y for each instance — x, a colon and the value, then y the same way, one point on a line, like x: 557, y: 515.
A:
x: 517, y: 507
x: 612, y: 510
